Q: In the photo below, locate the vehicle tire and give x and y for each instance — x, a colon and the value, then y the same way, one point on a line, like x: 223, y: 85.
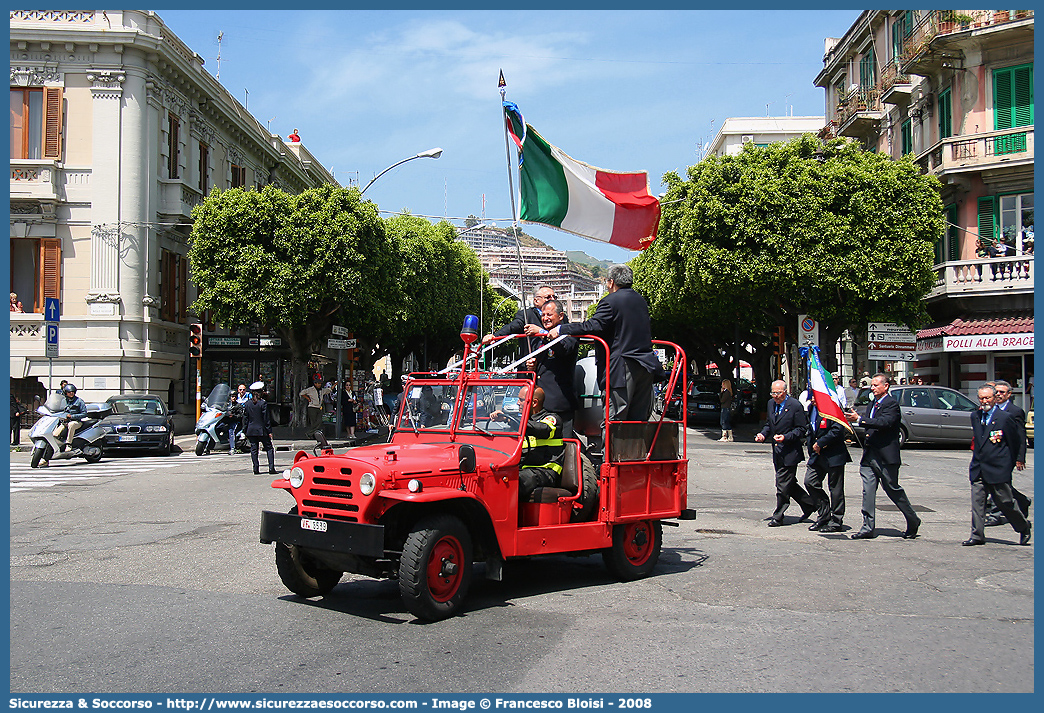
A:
x: 40, y: 453
x: 94, y: 456
x: 201, y: 447
x: 435, y: 567
x: 635, y: 550
x: 903, y: 436
x: 588, y: 491
x: 301, y: 575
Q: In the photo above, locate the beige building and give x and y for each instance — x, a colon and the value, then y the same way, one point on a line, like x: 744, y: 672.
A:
x: 117, y: 132
x: 735, y: 132
x: 955, y: 89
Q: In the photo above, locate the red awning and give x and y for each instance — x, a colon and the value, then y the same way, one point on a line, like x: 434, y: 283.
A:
x: 995, y: 323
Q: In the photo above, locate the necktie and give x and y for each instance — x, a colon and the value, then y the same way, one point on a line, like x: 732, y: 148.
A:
x: 873, y: 408
x: 779, y: 408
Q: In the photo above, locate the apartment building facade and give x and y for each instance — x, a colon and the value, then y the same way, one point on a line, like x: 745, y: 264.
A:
x: 735, y: 132
x: 117, y: 133
x: 954, y: 88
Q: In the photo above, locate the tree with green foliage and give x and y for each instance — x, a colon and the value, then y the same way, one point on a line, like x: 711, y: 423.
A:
x: 294, y: 263
x: 748, y: 242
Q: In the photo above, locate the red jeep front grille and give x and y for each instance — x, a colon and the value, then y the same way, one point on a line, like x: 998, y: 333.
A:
x: 328, y: 493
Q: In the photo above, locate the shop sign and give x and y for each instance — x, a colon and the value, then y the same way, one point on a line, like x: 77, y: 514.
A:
x: 224, y: 341
x: 990, y: 342
x: 929, y: 346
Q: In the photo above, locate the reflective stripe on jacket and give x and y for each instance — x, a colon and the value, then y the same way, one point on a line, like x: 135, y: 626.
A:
x: 543, y: 447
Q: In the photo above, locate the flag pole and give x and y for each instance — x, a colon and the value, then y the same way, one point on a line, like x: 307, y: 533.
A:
x: 502, y: 85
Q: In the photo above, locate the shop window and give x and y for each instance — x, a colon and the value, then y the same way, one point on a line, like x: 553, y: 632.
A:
x: 173, y: 286
x: 36, y: 123
x: 173, y: 144
x: 36, y: 271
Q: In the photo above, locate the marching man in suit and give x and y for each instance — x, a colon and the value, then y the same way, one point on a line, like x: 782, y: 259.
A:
x: 827, y: 455
x: 1002, y: 391
x: 880, y: 462
x: 995, y: 449
x: 786, y: 426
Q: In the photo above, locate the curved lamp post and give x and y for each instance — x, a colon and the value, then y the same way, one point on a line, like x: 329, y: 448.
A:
x: 430, y: 153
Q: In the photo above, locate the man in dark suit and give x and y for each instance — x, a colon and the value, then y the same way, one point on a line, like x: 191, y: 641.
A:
x: 1002, y: 391
x: 258, y: 428
x: 622, y: 320
x: 525, y: 316
x: 555, y: 367
x: 827, y: 455
x: 786, y: 425
x: 995, y: 447
x: 880, y: 462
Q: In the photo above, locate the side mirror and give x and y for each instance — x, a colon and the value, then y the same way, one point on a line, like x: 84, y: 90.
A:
x: 172, y: 412
x: 467, y: 458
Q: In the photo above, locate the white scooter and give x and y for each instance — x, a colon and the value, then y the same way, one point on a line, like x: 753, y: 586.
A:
x: 216, y: 419
x: 48, y: 433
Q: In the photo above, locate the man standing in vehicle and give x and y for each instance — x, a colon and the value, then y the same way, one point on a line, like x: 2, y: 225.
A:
x: 786, y: 425
x: 880, y: 462
x: 524, y: 317
x: 543, y: 453
x: 556, y: 367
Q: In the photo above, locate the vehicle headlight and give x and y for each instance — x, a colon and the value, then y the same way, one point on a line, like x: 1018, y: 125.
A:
x: 367, y: 483
x: 414, y: 486
x: 296, y: 477
x: 159, y: 429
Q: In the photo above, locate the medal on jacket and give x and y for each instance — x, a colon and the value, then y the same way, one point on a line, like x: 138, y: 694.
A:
x: 995, y: 436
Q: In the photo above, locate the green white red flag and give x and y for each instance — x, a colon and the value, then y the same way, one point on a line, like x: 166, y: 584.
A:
x: 829, y: 399
x: 559, y: 191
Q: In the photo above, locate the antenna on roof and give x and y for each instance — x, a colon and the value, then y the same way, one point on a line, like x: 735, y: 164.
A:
x: 218, y: 75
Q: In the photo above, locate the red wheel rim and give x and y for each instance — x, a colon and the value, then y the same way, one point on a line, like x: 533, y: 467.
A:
x: 445, y: 569
x: 637, y: 543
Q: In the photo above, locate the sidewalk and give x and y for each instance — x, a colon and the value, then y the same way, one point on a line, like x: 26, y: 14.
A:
x: 187, y: 442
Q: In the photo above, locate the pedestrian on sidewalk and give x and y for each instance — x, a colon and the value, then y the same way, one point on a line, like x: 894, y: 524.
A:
x: 258, y: 429
x: 726, y: 410
x: 881, y: 462
x: 348, y: 409
x: 786, y: 426
x: 17, y: 409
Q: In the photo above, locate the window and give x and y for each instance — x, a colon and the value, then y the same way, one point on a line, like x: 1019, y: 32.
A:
x: 238, y: 176
x: 902, y: 28
x: 1015, y: 220
x: 36, y: 271
x: 867, y: 70
x: 173, y: 142
x: 1013, y: 97
x: 947, y: 247
x: 204, y: 167
x: 906, y: 134
x: 173, y: 286
x: 915, y: 398
x: 36, y: 123
x: 945, y: 115
x: 954, y: 400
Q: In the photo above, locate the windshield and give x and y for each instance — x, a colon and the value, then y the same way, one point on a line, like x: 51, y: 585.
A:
x: 482, y: 401
x: 219, y: 395
x: 428, y: 406
x: 148, y: 407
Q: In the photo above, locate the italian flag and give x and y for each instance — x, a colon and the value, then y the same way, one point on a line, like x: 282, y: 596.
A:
x: 829, y: 399
x: 570, y: 195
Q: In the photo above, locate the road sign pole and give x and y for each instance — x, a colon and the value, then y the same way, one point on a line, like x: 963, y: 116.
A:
x: 340, y: 385
x: 50, y: 376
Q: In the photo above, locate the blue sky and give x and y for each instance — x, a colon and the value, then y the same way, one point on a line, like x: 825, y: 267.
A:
x: 622, y: 90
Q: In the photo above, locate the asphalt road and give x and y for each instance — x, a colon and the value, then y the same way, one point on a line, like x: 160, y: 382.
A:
x: 146, y: 575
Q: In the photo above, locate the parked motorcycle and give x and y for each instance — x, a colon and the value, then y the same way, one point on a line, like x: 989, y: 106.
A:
x: 216, y: 419
x: 48, y: 433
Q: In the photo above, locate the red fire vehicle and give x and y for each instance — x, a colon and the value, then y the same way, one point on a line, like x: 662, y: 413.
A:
x: 443, y: 493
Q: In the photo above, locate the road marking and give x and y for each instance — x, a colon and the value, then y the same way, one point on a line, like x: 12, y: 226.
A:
x: 24, y: 477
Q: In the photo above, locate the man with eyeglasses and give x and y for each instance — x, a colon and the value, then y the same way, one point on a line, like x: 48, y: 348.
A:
x: 1002, y: 392
x: 239, y: 400
x: 528, y: 315
x: 786, y: 425
x: 556, y: 368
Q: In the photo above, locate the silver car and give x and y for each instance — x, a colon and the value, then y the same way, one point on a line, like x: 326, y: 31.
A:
x: 930, y: 414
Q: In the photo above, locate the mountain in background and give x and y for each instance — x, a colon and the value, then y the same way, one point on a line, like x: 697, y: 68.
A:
x: 579, y: 261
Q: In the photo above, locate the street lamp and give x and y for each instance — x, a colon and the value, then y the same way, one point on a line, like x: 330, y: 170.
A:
x: 430, y: 153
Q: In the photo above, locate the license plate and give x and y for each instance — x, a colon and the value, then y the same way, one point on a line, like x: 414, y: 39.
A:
x: 313, y: 525
x: 124, y: 439
x: 706, y: 406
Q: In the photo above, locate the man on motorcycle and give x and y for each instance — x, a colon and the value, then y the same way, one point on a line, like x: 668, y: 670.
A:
x: 75, y: 412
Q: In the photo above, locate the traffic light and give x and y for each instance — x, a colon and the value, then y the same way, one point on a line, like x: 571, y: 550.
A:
x: 778, y: 343
x: 195, y: 340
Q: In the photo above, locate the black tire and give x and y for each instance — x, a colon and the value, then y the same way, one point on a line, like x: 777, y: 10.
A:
x: 301, y: 575
x: 94, y: 457
x: 904, y: 436
x: 588, y: 491
x: 635, y: 550
x: 40, y: 453
x: 435, y: 567
x: 166, y: 447
x: 201, y: 447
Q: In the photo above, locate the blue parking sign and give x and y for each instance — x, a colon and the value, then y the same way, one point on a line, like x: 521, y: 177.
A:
x: 51, y: 348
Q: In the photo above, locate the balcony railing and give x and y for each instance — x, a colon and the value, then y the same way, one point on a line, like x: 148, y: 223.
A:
x: 946, y: 22
x: 34, y: 179
x: 979, y: 151
x: 862, y: 101
x: 892, y: 78
x: 984, y: 276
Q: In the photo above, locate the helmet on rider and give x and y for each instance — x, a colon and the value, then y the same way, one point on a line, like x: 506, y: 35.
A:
x: 70, y: 392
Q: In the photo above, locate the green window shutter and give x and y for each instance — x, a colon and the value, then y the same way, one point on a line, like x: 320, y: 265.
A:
x: 1022, y: 85
x: 1002, y: 99
x: 953, y: 249
x: 945, y: 115
x: 987, y: 219
x: 1013, y: 97
x: 906, y: 136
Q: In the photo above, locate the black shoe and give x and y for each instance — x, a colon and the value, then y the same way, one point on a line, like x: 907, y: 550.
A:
x: 911, y: 530
x: 257, y: 472
x: 774, y: 523
x: 864, y: 535
x: 830, y: 527
x: 816, y: 526
x: 806, y: 515
x: 1025, y: 538
x: 1025, y: 510
x: 273, y: 471
x: 994, y: 520
x: 971, y: 542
